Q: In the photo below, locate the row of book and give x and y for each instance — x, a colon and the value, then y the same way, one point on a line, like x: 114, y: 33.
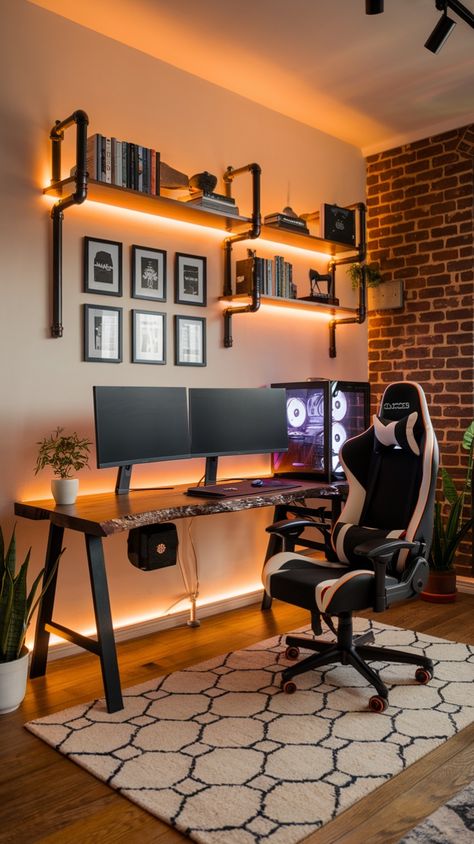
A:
x: 274, y: 276
x: 123, y: 164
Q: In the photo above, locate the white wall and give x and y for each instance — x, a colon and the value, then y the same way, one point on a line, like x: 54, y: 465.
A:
x: 54, y: 67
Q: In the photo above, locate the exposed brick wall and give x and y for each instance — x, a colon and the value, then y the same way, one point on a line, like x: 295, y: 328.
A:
x: 420, y: 225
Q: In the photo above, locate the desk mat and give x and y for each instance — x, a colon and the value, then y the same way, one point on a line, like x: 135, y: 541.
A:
x: 222, y: 754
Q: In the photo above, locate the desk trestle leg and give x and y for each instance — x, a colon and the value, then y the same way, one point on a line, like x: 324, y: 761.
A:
x: 45, y: 609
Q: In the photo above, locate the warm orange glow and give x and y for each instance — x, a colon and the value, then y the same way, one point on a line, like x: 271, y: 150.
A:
x: 297, y: 251
x: 183, y: 605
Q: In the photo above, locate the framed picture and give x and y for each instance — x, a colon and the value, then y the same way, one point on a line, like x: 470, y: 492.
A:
x: 189, y: 341
x: 148, y: 337
x: 190, y: 280
x: 148, y: 273
x: 102, y: 334
x: 102, y: 266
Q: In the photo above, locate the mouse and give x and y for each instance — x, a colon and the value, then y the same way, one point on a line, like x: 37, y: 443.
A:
x: 257, y: 482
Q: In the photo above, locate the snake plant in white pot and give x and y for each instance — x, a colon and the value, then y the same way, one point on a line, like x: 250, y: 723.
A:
x: 17, y: 605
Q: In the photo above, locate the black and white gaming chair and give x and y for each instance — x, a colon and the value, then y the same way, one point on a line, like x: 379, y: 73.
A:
x: 381, y: 542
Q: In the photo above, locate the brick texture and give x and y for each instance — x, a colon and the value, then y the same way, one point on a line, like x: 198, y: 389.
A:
x: 420, y: 228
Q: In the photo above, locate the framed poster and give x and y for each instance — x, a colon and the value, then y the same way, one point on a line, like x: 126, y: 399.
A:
x: 190, y: 280
x: 102, y: 334
x: 148, y: 337
x: 189, y: 341
x: 102, y: 266
x: 148, y: 273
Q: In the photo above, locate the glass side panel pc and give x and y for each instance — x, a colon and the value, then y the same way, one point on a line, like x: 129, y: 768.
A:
x: 321, y: 416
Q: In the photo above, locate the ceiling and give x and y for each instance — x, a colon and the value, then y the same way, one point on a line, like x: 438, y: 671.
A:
x: 365, y: 79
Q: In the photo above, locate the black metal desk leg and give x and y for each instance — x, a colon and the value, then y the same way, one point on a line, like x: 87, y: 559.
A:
x: 45, y: 608
x: 103, y: 620
x: 273, y: 547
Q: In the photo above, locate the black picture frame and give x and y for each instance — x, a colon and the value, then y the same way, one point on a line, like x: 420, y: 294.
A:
x: 190, y: 279
x: 102, y: 334
x: 102, y: 266
x: 148, y: 273
x: 189, y: 340
x: 148, y: 337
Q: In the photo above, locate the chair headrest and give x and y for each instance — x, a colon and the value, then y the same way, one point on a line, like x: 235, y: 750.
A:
x: 401, y: 399
x: 399, y: 433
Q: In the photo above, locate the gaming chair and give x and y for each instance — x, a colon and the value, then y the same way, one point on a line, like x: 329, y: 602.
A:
x: 380, y: 543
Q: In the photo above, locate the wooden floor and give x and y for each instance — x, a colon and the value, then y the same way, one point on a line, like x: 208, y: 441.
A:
x: 45, y: 797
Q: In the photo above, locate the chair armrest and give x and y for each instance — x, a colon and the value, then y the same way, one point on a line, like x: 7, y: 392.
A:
x: 287, y: 526
x: 375, y: 548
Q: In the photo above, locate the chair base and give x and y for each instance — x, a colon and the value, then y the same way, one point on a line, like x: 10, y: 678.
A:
x: 349, y: 651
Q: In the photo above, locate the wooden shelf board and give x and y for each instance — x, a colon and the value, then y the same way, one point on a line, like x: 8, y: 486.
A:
x: 298, y: 304
x: 304, y: 241
x: 160, y: 206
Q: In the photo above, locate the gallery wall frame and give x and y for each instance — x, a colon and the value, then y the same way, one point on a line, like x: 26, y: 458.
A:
x: 190, y: 279
x: 148, y: 273
x: 148, y: 337
x: 189, y: 340
x: 102, y: 266
x: 102, y: 334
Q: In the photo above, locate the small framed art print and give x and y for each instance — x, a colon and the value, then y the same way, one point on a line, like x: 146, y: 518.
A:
x: 102, y: 266
x: 148, y: 273
x: 190, y: 341
x: 102, y: 334
x: 190, y: 279
x: 148, y: 337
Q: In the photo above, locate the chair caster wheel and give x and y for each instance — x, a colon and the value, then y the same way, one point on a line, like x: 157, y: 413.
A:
x: 377, y: 703
x: 289, y: 687
x: 292, y: 652
x: 423, y: 675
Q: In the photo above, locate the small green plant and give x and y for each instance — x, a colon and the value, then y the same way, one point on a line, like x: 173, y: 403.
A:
x: 450, y: 526
x: 63, y: 453
x: 17, y: 604
x: 372, y: 274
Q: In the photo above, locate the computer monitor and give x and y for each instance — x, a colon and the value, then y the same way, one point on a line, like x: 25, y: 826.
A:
x: 236, y: 420
x: 321, y: 416
x: 139, y: 425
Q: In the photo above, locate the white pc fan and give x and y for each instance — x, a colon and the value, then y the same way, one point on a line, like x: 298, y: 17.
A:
x: 339, y: 407
x: 339, y: 436
x: 295, y: 412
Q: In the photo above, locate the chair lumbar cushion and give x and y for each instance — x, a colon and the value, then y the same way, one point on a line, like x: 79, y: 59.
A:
x: 397, y: 433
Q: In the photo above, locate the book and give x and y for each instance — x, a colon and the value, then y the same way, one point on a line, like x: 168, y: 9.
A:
x: 338, y: 224
x: 216, y: 197
x: 284, y: 221
x: 245, y: 270
x: 211, y: 205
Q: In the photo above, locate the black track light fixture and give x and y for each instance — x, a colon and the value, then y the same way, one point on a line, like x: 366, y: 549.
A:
x: 373, y: 7
x: 440, y: 33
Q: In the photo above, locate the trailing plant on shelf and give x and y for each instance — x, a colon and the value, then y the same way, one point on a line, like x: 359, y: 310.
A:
x: 17, y: 604
x: 373, y: 276
x: 63, y: 453
x: 450, y: 523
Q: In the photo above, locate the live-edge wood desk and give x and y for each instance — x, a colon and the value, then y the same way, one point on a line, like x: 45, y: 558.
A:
x: 97, y: 516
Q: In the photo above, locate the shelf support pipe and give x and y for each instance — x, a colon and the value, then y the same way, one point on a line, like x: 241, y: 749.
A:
x: 81, y: 120
x: 362, y: 307
x: 251, y: 234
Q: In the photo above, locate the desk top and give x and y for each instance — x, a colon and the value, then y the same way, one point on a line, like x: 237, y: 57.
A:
x: 107, y: 513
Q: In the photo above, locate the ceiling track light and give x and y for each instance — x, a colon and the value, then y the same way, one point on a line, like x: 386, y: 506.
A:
x: 373, y: 7
x: 440, y: 33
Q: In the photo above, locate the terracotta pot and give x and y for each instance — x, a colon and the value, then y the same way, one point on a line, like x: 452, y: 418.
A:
x: 441, y: 587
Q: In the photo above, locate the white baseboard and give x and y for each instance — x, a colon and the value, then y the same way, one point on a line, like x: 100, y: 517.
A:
x: 465, y: 584
x: 165, y: 622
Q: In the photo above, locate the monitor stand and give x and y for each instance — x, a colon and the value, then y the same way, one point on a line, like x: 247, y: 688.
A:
x: 210, y: 476
x: 122, y: 485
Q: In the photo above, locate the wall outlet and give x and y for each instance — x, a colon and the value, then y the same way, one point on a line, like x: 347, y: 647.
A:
x: 387, y: 296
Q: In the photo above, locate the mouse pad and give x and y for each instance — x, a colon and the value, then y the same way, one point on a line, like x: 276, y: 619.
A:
x: 232, y: 489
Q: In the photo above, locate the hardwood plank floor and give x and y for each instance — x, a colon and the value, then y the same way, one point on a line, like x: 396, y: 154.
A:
x: 47, y: 798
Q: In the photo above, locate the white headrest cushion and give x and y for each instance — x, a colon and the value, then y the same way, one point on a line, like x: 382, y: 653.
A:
x: 397, y: 433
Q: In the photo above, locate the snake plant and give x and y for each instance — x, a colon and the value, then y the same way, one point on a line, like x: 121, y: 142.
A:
x: 17, y: 603
x: 450, y: 526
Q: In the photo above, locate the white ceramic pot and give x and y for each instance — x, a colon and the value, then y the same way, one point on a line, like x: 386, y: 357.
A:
x: 13, y: 677
x: 65, y: 490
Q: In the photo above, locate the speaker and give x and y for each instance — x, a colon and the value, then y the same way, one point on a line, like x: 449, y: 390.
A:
x: 153, y: 546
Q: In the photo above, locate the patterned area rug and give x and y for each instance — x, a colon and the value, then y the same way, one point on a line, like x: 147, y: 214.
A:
x: 450, y: 824
x: 222, y: 754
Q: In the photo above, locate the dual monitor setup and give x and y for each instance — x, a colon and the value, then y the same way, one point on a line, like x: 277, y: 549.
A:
x: 302, y: 426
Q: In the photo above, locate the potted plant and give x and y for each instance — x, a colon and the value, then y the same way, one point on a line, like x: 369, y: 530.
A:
x: 65, y: 454
x: 17, y: 606
x: 450, y: 528
x: 372, y: 274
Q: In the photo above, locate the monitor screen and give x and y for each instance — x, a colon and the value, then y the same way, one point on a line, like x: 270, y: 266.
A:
x: 321, y: 416
x: 140, y: 425
x: 247, y: 420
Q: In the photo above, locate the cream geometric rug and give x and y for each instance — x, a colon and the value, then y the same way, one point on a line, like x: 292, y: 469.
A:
x: 222, y: 754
